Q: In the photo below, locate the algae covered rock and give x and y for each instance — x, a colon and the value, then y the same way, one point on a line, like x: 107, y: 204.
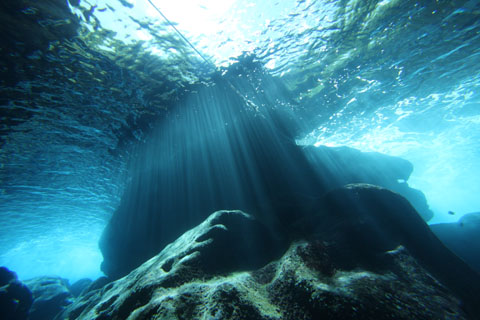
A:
x: 297, y: 286
x: 50, y: 296
x: 335, y: 271
x: 227, y: 241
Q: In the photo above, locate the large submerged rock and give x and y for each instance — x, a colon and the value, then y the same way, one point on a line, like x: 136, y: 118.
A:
x: 347, y: 165
x: 79, y: 286
x: 225, y: 242
x: 365, y: 254
x: 462, y: 237
x: 158, y: 206
x: 374, y: 220
x: 50, y: 296
x: 15, y: 297
x: 231, y: 145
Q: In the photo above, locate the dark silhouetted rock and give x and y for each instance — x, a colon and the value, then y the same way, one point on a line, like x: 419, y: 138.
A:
x: 77, y: 288
x: 210, y: 154
x: 97, y: 284
x: 154, y: 211
x: 462, y: 237
x: 15, y: 297
x: 226, y: 241
x: 373, y: 220
x: 314, y: 279
x: 51, y: 295
x: 347, y: 165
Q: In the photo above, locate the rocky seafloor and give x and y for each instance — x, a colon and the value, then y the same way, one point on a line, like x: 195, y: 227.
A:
x: 368, y: 255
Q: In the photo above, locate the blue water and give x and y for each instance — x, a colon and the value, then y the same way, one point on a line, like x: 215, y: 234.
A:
x: 398, y: 77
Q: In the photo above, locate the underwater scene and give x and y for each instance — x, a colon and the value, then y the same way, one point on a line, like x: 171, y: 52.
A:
x: 239, y: 159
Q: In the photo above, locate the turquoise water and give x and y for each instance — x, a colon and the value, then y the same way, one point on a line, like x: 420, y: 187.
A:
x: 82, y: 84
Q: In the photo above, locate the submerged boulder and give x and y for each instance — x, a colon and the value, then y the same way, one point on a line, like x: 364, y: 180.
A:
x: 79, y: 286
x: 347, y: 166
x: 298, y: 286
x: 374, y: 220
x: 97, y: 284
x: 51, y: 295
x: 277, y: 184
x: 227, y: 241
x: 337, y: 270
x: 462, y: 237
x: 222, y: 148
x: 15, y: 298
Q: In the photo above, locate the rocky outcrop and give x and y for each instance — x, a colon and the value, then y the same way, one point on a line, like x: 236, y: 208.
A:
x: 216, y: 149
x: 348, y: 165
x: 365, y: 254
x: 462, y: 237
x: 277, y: 183
x: 79, y: 286
x: 51, y: 295
x: 226, y: 242
x: 15, y: 297
x: 301, y: 285
x: 374, y: 220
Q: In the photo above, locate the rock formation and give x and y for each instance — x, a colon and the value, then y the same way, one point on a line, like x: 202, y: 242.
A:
x: 376, y: 220
x: 353, y: 166
x: 161, y: 204
x: 462, y: 237
x: 50, y: 296
x: 15, y: 297
x: 79, y: 286
x: 365, y: 254
x: 231, y: 145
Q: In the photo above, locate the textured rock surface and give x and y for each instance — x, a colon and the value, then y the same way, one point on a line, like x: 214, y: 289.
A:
x: 77, y: 288
x: 308, y: 282
x: 279, y: 178
x: 225, y: 242
x: 462, y: 237
x: 97, y: 284
x: 357, y: 261
x: 51, y: 295
x: 374, y: 220
x: 15, y: 297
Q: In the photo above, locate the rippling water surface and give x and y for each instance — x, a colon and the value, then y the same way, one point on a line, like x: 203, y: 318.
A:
x: 83, y: 82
